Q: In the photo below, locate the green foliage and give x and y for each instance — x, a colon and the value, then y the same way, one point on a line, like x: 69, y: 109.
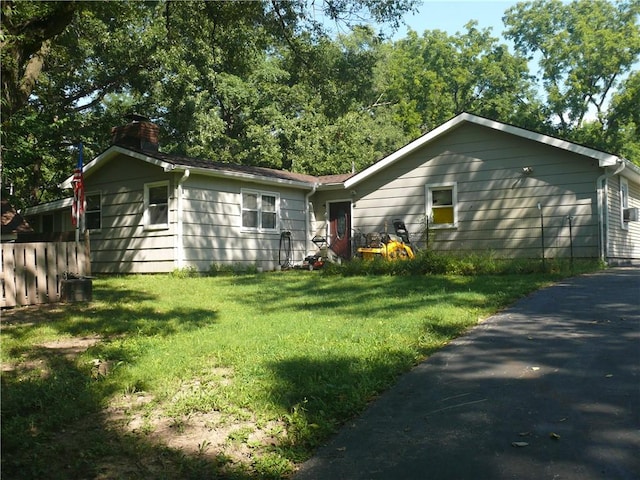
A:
x: 232, y: 269
x: 584, y: 49
x: 436, y: 76
x: 186, y: 272
x: 623, y: 120
x: 429, y: 262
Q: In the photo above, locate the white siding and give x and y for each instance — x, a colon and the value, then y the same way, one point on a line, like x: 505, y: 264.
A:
x: 212, y: 225
x: 123, y: 245
x: 497, y: 202
x: 211, y: 230
x: 623, y: 243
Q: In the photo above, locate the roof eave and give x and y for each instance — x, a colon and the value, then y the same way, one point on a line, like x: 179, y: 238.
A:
x: 406, y: 150
x: 109, y: 153
x: 604, y: 159
x: 48, y: 207
x: 247, y: 177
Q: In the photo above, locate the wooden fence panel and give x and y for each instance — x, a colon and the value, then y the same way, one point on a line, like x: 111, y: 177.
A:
x: 31, y: 272
x: 21, y: 285
x: 52, y: 281
x: 8, y: 277
x: 61, y: 259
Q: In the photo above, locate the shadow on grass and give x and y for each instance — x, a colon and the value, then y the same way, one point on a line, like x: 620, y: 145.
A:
x: 402, y: 293
x: 54, y: 422
x: 324, y: 394
x: 54, y: 427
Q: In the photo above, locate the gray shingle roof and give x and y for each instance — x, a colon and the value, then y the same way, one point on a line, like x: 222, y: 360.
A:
x: 184, y: 161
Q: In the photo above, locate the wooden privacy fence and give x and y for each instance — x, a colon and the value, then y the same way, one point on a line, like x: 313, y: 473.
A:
x: 31, y: 272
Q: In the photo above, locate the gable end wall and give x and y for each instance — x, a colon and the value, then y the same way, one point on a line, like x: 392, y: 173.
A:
x: 497, y: 202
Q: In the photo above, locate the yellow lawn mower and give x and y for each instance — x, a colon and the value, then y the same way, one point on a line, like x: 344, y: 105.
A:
x: 388, y: 246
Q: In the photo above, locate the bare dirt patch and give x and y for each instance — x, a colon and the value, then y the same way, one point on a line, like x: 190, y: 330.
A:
x: 68, y: 348
x: 71, y: 347
x: 142, y: 437
x: 31, y: 315
x: 211, y: 435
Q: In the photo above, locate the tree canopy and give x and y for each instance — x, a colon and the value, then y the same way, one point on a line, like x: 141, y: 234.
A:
x: 267, y: 83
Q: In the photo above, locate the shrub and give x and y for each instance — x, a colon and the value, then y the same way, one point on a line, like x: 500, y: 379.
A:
x: 186, y: 272
x: 467, y: 264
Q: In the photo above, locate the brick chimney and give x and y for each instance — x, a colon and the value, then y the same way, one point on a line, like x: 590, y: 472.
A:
x: 140, y: 133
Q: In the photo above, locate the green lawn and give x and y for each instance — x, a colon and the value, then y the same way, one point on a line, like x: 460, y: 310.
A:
x: 234, y: 376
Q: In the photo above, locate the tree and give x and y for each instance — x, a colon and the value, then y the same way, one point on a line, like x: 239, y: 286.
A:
x: 623, y: 120
x: 436, y: 76
x: 26, y: 36
x: 583, y: 48
x: 210, y: 73
x: 90, y: 59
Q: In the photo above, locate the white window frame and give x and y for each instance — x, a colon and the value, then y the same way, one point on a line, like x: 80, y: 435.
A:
x: 147, y: 220
x: 99, y: 211
x: 259, y: 194
x: 428, y: 192
x: 624, y: 202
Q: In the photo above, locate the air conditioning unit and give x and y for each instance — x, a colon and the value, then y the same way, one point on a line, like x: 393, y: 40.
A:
x: 631, y: 214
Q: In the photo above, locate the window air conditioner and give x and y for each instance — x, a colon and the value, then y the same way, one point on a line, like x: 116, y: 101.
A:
x: 631, y: 214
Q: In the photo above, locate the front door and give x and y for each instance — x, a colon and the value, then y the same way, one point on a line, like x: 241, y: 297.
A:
x: 340, y: 228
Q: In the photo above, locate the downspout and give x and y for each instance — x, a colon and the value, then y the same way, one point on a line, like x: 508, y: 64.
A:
x: 307, y: 218
x: 180, y: 233
x: 603, y: 207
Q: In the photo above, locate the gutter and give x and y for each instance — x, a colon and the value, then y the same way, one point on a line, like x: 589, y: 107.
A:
x: 180, y: 233
x: 602, y: 189
x: 241, y: 176
x: 307, y: 217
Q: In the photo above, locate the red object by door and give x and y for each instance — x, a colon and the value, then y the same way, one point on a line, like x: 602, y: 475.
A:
x: 340, y: 228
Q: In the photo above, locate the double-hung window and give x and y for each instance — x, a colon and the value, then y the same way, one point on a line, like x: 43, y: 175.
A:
x: 93, y: 212
x: 156, y: 205
x: 442, y: 208
x: 624, y: 202
x: 260, y: 210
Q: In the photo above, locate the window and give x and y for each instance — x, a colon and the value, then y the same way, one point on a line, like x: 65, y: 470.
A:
x: 624, y: 201
x: 93, y: 212
x: 259, y: 210
x: 156, y: 205
x: 442, y: 210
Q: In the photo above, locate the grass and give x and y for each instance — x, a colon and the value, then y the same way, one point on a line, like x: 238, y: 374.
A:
x: 255, y: 369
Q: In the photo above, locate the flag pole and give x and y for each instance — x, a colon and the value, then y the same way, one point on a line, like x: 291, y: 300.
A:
x: 78, y: 195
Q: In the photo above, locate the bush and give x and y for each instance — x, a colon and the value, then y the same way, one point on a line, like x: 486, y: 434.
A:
x: 186, y: 272
x: 231, y: 269
x: 443, y: 263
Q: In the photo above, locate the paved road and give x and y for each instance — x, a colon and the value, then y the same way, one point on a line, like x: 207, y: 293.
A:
x: 558, y: 373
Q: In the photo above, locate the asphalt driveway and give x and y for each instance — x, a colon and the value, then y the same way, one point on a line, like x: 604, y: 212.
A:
x: 548, y: 389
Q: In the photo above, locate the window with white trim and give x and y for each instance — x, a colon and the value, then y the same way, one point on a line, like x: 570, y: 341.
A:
x: 156, y: 205
x: 93, y: 212
x: 442, y: 208
x: 624, y: 202
x: 260, y: 210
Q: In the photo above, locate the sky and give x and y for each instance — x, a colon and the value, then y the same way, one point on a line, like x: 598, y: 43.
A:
x: 451, y: 16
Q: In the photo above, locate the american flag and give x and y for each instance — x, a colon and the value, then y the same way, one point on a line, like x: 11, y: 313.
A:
x: 79, y: 205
